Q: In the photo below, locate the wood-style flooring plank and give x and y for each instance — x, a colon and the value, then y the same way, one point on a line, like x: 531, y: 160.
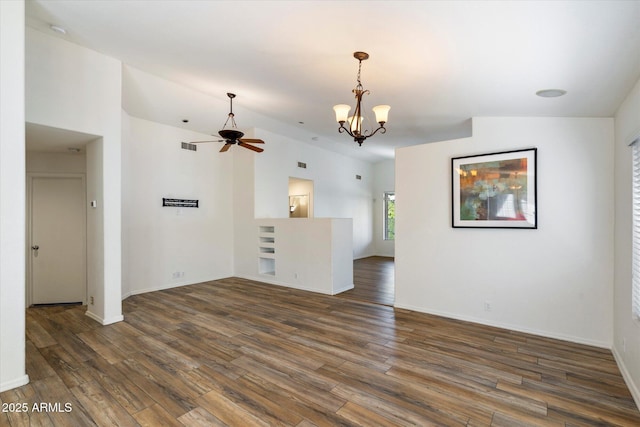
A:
x: 236, y: 352
x: 373, y: 281
x: 101, y: 406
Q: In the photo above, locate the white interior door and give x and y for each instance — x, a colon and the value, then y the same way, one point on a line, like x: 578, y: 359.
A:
x: 58, y: 240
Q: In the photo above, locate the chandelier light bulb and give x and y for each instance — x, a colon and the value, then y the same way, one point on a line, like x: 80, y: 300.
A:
x: 342, y: 112
x: 354, y: 125
x: 382, y: 113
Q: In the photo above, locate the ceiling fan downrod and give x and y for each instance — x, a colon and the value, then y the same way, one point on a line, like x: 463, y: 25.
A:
x: 231, y: 115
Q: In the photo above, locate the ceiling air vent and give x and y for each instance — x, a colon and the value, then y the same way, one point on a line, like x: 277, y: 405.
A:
x: 359, y: 177
x: 190, y: 147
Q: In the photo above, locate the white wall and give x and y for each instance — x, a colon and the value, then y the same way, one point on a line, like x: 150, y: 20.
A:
x: 160, y: 241
x: 554, y: 281
x: 626, y: 331
x: 54, y: 162
x: 244, y: 238
x: 336, y: 191
x: 12, y: 196
x: 74, y: 88
x: 384, y: 180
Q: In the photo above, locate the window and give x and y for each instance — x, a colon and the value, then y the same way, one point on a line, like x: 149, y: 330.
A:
x: 389, y: 215
x: 635, y: 239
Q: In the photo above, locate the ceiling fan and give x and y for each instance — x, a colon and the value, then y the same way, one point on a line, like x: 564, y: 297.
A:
x: 234, y: 136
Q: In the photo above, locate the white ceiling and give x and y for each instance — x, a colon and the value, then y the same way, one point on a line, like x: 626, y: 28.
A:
x: 45, y: 138
x: 437, y: 63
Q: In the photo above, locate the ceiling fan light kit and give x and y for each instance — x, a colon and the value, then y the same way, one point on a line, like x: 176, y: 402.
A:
x: 233, y: 135
x: 355, y: 122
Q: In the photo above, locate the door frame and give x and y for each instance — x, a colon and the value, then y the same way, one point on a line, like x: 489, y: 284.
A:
x: 29, y: 219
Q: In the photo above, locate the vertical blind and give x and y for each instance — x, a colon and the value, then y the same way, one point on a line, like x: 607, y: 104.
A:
x: 636, y: 230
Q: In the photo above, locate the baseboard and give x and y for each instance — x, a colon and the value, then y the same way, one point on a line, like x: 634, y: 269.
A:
x: 374, y: 255
x: 284, y: 285
x: 168, y: 286
x: 546, y: 334
x: 102, y: 321
x: 343, y: 289
x: 18, y: 382
x: 633, y: 388
x: 363, y: 256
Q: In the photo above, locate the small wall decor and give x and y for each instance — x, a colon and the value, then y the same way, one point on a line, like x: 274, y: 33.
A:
x: 179, y: 203
x: 495, y: 190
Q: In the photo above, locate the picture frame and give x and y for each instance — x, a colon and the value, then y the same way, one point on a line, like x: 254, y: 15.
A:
x: 495, y: 190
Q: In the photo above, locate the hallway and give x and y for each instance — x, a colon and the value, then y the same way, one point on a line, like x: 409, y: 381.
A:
x: 374, y: 281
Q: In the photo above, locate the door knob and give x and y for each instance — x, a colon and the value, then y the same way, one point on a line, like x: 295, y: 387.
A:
x: 35, y: 247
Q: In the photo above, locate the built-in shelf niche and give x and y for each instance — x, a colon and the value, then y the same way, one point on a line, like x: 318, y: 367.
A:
x: 267, y: 250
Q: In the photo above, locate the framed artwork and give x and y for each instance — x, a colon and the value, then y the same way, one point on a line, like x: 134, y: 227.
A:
x: 495, y: 190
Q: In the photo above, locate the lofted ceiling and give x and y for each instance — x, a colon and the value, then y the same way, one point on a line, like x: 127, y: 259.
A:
x: 436, y: 63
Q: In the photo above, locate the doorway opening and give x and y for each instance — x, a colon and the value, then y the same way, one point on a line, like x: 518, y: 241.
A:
x: 300, y: 198
x: 373, y: 280
x: 60, y: 179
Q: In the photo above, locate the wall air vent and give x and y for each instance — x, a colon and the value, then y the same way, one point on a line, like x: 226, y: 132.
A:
x: 302, y: 165
x: 190, y: 147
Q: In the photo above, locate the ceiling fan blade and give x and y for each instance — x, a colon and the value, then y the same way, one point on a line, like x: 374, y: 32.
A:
x: 213, y: 140
x: 252, y: 140
x: 225, y: 147
x: 250, y: 147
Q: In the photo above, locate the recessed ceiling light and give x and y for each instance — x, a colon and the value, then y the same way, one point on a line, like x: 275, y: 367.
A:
x: 58, y: 29
x: 551, y: 93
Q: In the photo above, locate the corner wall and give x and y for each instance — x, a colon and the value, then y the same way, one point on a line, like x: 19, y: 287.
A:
x: 555, y: 281
x: 336, y: 191
x: 73, y: 88
x: 165, y: 247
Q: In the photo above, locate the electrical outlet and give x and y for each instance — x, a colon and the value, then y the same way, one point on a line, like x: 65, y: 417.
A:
x: 91, y: 300
x: 487, y: 306
x: 624, y: 345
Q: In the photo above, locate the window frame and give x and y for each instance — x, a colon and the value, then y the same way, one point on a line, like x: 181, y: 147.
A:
x: 385, y: 216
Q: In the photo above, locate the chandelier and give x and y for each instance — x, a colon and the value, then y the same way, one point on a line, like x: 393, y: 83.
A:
x: 355, y: 122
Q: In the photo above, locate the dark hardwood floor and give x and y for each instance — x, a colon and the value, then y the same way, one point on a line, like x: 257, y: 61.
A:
x: 373, y: 280
x: 241, y: 353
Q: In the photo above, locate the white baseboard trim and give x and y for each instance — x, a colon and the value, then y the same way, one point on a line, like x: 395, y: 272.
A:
x: 343, y: 289
x: 168, y: 286
x: 546, y: 334
x: 17, y: 382
x: 114, y: 319
x: 633, y: 388
x: 263, y: 279
x: 104, y: 322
